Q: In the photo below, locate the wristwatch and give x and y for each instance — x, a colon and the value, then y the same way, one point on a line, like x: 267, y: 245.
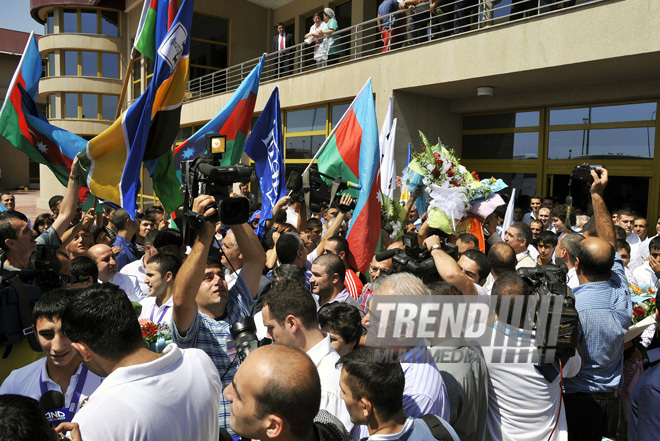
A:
x: 435, y: 246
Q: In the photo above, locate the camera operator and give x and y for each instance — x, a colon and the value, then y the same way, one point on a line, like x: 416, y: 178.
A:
x: 448, y: 268
x: 604, y: 307
x: 204, y: 309
x: 523, y: 404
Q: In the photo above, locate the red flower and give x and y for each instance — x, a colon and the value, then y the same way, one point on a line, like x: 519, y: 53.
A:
x: 423, y: 148
x: 638, y: 312
x: 475, y: 175
x: 436, y: 173
x: 149, y: 328
x: 652, y: 300
x: 436, y: 155
x: 450, y: 173
x: 454, y: 184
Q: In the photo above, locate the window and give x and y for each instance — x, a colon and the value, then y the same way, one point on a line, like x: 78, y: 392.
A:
x: 90, y: 106
x: 306, y: 130
x: 49, y: 26
x: 89, y: 66
x: 71, y: 63
x: 137, y: 77
x: 109, y: 65
x: 70, y: 21
x: 52, y: 106
x: 109, y: 105
x: 509, y: 135
x: 71, y: 105
x: 110, y: 23
x: 626, y: 131
x: 88, y: 22
x: 209, y: 45
x: 50, y: 64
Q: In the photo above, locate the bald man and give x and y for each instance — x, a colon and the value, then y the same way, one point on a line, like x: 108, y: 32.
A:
x: 107, y: 265
x: 275, y: 395
x: 604, y: 308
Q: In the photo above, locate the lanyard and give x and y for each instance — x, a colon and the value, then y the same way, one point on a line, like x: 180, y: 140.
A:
x: 153, y: 310
x: 77, y: 392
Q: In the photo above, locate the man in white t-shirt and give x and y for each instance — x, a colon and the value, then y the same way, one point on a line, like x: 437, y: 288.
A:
x: 289, y: 315
x: 524, y: 398
x: 160, y: 273
x: 60, y: 370
x: 145, y: 395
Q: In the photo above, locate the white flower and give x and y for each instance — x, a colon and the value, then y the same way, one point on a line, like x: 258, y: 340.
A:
x: 451, y: 201
x: 429, y: 167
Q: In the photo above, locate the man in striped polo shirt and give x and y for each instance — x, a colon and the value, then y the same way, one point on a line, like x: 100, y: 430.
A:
x: 204, y: 309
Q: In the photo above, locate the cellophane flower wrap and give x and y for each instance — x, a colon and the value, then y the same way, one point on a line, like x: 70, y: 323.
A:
x: 155, y: 336
x: 451, y: 186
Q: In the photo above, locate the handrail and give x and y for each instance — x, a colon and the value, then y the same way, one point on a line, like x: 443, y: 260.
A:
x: 364, y: 39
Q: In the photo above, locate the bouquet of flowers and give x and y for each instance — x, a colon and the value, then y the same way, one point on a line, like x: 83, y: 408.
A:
x: 155, y: 336
x: 450, y: 185
x: 642, y: 310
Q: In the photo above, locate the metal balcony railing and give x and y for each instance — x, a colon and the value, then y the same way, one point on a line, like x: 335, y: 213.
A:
x: 406, y: 29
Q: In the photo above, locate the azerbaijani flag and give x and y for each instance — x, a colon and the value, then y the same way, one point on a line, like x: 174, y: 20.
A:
x: 351, y: 152
x: 146, y: 131
x: 233, y: 121
x: 25, y: 127
x: 145, y: 38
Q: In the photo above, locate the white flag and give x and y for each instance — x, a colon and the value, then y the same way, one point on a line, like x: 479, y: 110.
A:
x: 387, y: 164
x: 508, y: 217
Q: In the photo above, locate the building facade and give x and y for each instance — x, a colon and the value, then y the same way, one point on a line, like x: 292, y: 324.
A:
x: 569, y: 85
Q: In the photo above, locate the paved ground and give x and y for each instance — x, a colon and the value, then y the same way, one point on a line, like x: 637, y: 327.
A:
x: 26, y: 203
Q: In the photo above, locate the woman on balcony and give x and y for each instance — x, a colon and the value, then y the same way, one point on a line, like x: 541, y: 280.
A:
x: 315, y: 35
x: 328, y: 46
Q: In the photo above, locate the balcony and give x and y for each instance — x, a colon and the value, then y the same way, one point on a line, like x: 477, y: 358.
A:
x: 411, y: 29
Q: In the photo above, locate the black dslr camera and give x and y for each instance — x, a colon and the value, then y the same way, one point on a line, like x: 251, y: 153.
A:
x: 583, y: 173
x: 549, y: 280
x: 245, y: 339
x: 205, y: 175
x: 312, y: 188
x: 416, y: 259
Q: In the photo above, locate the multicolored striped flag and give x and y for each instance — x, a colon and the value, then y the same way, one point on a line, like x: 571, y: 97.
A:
x: 25, y: 127
x: 146, y: 131
x: 351, y: 152
x: 233, y: 121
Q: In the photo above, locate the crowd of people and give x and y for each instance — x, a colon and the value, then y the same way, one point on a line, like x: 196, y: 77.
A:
x: 313, y: 376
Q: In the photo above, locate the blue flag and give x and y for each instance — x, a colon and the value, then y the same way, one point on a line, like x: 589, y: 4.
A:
x: 265, y: 147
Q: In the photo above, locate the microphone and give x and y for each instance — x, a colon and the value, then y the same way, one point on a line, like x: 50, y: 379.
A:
x: 52, y: 402
x: 388, y: 254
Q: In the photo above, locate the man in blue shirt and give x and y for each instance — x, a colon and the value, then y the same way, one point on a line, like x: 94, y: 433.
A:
x: 643, y: 423
x: 127, y: 228
x: 204, y: 309
x: 388, y: 32
x: 604, y: 308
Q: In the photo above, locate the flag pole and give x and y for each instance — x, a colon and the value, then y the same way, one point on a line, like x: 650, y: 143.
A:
x: 127, y: 75
x: 335, y: 128
x: 15, y: 77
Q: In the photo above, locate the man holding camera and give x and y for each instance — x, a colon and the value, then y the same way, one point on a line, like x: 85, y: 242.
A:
x: 603, y: 304
x: 17, y: 238
x: 203, y: 308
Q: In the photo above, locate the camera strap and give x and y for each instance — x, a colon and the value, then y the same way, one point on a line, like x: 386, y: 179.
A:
x: 25, y: 311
